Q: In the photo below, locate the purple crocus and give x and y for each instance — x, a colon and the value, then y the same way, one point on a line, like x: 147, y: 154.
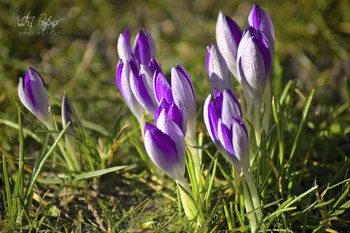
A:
x: 217, y: 69
x: 223, y: 120
x: 260, y: 20
x: 254, y: 62
x: 184, y: 96
x: 33, y: 95
x: 127, y: 70
x: 165, y: 146
x: 144, y: 47
x: 228, y: 36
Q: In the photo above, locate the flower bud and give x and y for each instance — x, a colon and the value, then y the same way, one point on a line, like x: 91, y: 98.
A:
x: 33, y: 95
x: 217, y: 69
x: 254, y: 62
x: 165, y: 146
x: 228, y: 36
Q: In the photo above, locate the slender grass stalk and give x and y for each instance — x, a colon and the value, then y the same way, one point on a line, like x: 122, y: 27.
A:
x: 189, y: 204
x: 196, y: 159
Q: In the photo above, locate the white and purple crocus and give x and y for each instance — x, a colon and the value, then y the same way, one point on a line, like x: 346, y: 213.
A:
x: 254, y: 62
x: 223, y: 120
x: 33, y: 95
x: 165, y: 145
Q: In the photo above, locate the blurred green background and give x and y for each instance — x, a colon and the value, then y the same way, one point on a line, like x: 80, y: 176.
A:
x: 312, y: 47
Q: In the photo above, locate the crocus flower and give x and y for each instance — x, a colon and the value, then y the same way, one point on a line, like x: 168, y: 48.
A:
x: 144, y: 47
x: 217, y: 69
x: 127, y: 70
x: 223, y: 120
x: 260, y: 20
x: 254, y: 62
x: 228, y: 36
x: 33, y: 95
x: 165, y: 146
x: 142, y: 88
x: 184, y: 96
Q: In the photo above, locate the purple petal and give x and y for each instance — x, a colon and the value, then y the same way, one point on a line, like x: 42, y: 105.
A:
x: 177, y: 116
x: 119, y: 76
x: 184, y: 95
x: 211, y: 118
x: 139, y: 88
x: 162, y: 88
x: 228, y: 36
x: 164, y: 104
x: 124, y: 46
x: 225, y: 136
x: 240, y: 140
x: 124, y: 74
x: 154, y: 66
x: 217, y: 69
x: 144, y: 48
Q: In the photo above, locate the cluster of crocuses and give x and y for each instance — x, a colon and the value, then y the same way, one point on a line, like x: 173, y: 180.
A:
x: 249, y: 58
x: 146, y: 90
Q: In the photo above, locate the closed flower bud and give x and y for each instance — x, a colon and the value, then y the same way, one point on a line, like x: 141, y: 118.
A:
x: 124, y: 46
x: 223, y: 120
x: 165, y: 146
x: 67, y: 113
x: 260, y: 20
x: 217, y: 69
x: 184, y: 96
x: 33, y: 95
x: 254, y: 62
x: 228, y: 36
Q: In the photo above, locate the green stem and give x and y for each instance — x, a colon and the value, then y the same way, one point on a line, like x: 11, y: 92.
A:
x: 67, y: 158
x: 267, y: 103
x: 253, y: 194
x: 249, y: 206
